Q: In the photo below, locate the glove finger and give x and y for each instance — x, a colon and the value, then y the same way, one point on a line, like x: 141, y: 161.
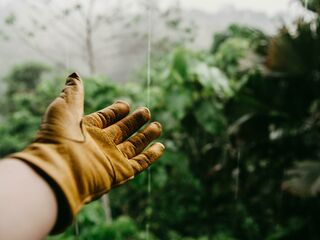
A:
x: 123, y: 129
x: 137, y: 143
x: 108, y: 115
x: 148, y: 157
x: 73, y: 93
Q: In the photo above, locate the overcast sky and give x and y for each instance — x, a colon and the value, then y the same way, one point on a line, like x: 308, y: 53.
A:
x: 270, y: 7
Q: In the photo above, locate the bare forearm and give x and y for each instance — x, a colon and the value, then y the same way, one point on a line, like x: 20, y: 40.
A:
x: 27, y: 203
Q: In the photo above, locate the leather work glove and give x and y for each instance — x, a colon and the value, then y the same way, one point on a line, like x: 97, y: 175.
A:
x: 84, y: 157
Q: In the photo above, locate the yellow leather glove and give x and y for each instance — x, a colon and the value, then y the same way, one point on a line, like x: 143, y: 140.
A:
x: 84, y: 157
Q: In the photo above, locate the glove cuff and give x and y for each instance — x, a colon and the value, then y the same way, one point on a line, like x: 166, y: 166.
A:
x: 46, y: 160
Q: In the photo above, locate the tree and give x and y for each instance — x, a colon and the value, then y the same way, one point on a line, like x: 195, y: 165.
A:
x: 235, y: 119
x: 87, y: 30
x: 295, y: 58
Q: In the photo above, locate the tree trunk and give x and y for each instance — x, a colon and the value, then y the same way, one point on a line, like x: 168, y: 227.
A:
x: 89, y: 42
x: 107, y: 208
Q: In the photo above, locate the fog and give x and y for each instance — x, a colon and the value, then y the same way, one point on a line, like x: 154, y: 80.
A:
x: 41, y: 32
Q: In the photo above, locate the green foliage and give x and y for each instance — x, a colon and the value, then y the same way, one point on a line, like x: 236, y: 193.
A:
x: 22, y: 112
x: 304, y: 179
x: 10, y: 19
x: 312, y: 5
x: 257, y: 39
x: 25, y: 77
x: 300, y: 48
x: 229, y: 54
x: 91, y: 226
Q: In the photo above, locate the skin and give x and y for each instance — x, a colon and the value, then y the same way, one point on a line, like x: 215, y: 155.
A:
x: 28, y: 204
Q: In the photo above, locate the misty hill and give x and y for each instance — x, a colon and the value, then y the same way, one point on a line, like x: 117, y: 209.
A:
x: 125, y: 55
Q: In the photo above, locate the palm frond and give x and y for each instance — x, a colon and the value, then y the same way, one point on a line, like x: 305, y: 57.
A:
x: 303, y: 179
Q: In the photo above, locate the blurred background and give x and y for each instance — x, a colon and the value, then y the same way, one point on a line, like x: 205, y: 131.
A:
x: 235, y: 85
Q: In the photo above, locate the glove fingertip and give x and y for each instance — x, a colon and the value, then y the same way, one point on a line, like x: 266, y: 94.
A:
x: 74, y: 75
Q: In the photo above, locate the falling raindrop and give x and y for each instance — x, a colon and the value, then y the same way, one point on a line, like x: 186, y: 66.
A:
x: 76, y: 229
x: 149, y: 34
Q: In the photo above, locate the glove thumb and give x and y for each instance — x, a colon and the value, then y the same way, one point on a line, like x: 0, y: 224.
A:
x: 73, y: 94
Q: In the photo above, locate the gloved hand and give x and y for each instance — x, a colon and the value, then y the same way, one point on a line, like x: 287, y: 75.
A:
x: 84, y: 157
